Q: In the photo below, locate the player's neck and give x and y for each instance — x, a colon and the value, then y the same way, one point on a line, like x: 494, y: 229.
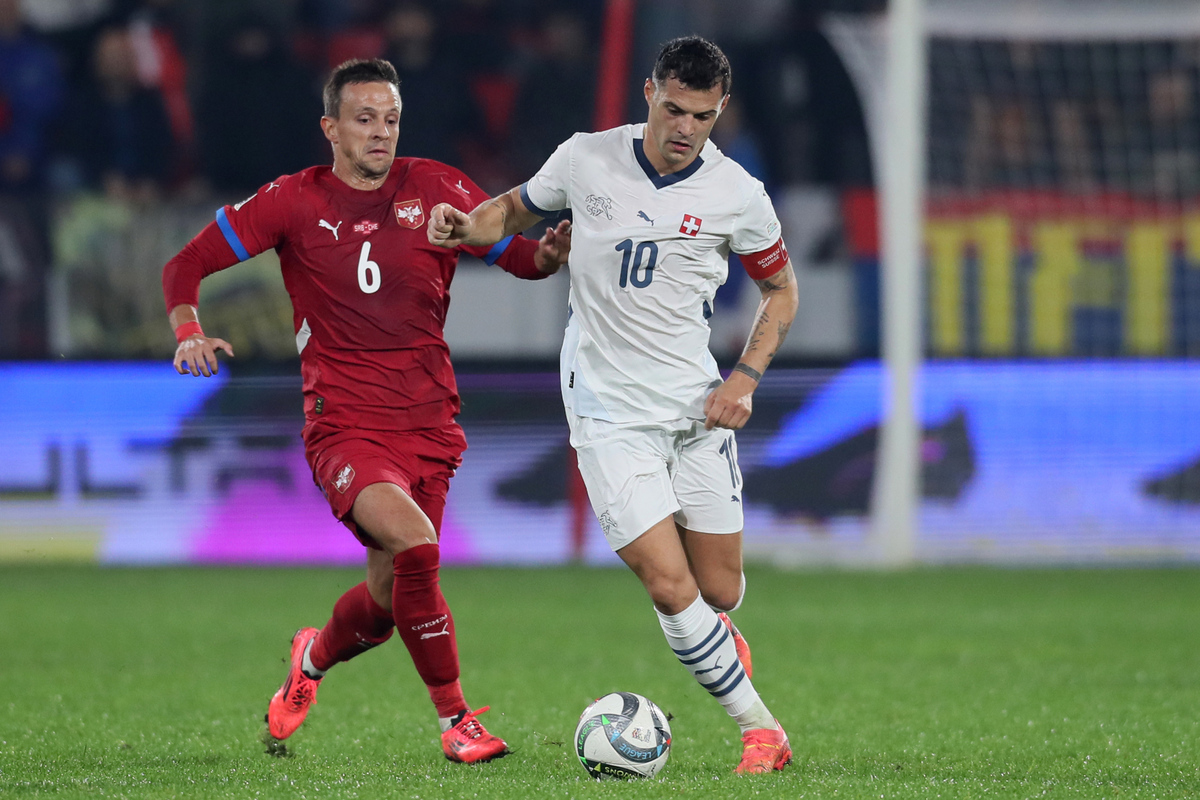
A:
x: 355, y: 179
x: 660, y: 164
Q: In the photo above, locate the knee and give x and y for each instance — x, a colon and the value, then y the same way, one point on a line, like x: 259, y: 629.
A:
x: 671, y: 592
x: 395, y: 538
x: 724, y: 595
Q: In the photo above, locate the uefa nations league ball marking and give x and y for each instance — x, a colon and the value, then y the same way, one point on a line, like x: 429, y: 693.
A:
x: 622, y: 735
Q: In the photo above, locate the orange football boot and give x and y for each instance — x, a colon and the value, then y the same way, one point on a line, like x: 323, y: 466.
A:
x: 743, y: 649
x: 765, y: 750
x: 290, y: 704
x: 468, y: 742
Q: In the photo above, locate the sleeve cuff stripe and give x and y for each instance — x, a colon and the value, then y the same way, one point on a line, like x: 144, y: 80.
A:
x: 497, y: 250
x: 231, y: 236
x: 530, y: 204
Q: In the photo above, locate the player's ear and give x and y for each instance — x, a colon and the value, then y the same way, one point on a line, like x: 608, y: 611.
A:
x: 329, y: 128
x: 648, y: 90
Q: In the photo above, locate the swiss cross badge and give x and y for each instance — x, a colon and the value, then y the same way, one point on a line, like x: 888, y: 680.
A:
x: 410, y: 214
x: 691, y: 225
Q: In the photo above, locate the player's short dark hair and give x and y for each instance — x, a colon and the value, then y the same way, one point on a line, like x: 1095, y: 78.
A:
x: 695, y: 62
x: 356, y: 70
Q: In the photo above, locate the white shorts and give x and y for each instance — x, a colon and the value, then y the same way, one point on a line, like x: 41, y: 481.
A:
x: 637, y: 474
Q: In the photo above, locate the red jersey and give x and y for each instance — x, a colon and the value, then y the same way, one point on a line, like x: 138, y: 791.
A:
x: 369, y: 292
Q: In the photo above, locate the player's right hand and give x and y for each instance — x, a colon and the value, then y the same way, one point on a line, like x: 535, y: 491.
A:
x: 197, y: 354
x: 448, y: 227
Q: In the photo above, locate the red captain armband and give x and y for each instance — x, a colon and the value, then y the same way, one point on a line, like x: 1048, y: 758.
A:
x: 765, y: 263
x: 187, y: 329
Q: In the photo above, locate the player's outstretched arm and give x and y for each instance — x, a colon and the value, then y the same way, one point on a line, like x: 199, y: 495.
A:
x: 196, y: 352
x: 729, y: 405
x: 490, y: 222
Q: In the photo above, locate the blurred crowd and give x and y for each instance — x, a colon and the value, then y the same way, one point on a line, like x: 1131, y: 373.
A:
x: 111, y: 105
x: 1079, y: 117
x: 144, y: 98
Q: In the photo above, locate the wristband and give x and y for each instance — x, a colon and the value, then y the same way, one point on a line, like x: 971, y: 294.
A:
x: 745, y: 370
x: 187, y: 329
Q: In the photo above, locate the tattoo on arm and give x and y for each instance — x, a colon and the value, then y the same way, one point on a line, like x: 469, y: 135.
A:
x: 745, y: 370
x: 777, y: 282
x: 498, y: 202
x: 756, y: 336
x: 773, y: 287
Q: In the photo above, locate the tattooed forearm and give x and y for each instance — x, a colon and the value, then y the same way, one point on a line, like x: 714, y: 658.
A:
x: 502, y: 207
x: 774, y: 319
x: 757, y: 334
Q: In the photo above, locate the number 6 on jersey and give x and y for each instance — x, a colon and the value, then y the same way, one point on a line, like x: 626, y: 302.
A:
x: 368, y: 271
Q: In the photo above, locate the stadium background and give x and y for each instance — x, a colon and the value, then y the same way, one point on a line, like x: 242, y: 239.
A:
x: 1060, y: 407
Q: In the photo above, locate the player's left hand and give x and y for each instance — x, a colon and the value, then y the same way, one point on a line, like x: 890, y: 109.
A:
x: 730, y: 404
x: 553, y: 248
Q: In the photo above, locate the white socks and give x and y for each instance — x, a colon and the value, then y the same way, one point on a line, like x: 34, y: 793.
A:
x: 705, y: 646
x: 306, y: 665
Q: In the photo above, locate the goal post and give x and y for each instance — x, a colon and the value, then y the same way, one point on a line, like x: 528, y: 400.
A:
x: 896, y: 490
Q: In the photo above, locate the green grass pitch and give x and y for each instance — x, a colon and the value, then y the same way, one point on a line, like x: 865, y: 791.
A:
x: 956, y: 683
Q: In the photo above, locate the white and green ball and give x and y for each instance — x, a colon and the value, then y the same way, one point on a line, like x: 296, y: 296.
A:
x: 623, y: 735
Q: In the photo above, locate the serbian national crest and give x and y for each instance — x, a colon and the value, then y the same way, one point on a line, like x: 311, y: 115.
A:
x: 410, y: 214
x: 344, y: 478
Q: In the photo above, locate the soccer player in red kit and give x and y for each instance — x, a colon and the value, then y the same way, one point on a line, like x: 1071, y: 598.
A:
x: 369, y: 295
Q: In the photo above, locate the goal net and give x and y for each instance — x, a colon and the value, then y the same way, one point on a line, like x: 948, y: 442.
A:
x: 1061, y: 287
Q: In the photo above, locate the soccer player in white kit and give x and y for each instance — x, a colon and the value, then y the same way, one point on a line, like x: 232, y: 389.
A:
x: 657, y: 209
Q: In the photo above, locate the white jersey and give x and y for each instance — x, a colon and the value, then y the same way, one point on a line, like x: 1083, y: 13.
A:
x: 647, y: 255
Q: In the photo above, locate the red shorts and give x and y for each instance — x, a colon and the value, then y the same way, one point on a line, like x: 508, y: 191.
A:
x: 421, y: 463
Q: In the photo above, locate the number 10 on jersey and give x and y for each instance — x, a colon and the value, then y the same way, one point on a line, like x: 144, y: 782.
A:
x: 644, y: 257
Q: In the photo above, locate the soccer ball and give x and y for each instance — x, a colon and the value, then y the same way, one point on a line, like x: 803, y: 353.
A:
x: 622, y: 735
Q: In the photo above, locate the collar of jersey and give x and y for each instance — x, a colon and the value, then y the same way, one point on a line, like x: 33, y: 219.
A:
x: 663, y: 181
x: 362, y: 196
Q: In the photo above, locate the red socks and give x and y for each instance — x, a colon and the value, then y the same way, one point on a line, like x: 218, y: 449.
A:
x: 424, y: 622
x: 357, y: 625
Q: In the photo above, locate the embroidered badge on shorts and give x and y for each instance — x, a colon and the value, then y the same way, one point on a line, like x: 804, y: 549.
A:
x: 344, y: 477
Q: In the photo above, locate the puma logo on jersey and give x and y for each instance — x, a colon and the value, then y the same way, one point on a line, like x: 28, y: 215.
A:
x: 642, y: 215
x: 273, y: 186
x: 463, y: 189
x: 330, y: 228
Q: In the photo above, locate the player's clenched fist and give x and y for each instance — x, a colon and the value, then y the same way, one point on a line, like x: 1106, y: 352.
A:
x: 197, y: 354
x: 730, y: 404
x: 448, y: 227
